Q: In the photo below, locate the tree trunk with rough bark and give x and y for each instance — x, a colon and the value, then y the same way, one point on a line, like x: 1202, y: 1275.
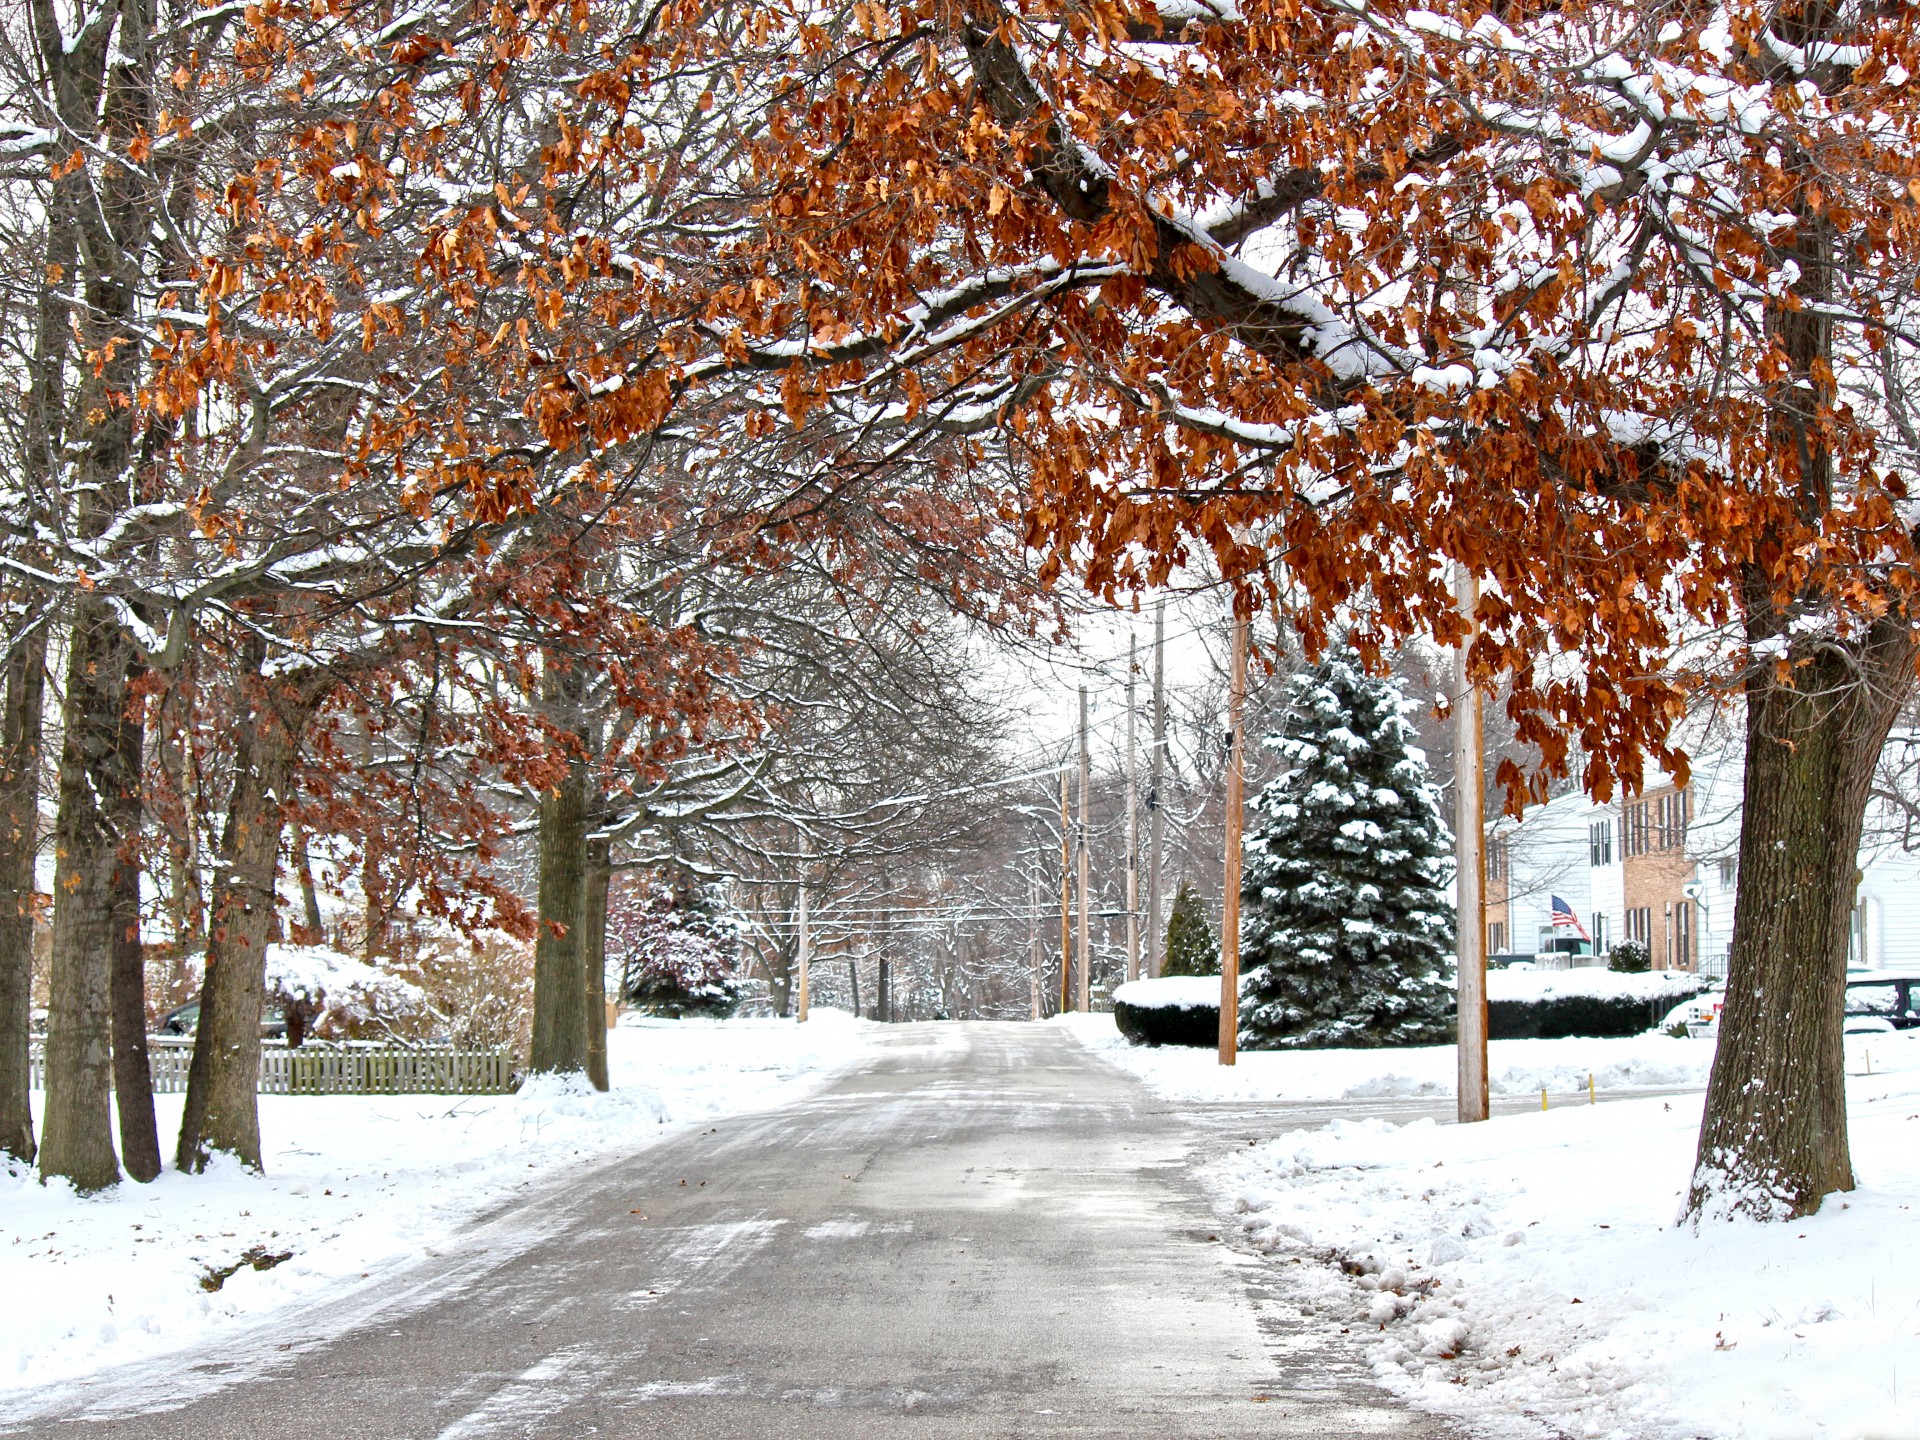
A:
x: 132, y: 1075
x: 222, y: 1110
x: 103, y: 86
x: 186, y: 907
x: 313, y: 928
x: 559, y: 984
x: 1773, y: 1141
x: 593, y: 957
x: 77, y: 1142
x: 20, y: 726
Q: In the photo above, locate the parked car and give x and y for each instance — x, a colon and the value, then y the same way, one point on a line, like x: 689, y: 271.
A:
x: 1876, y: 1003
x: 185, y: 1019
x: 1699, y: 1015
x: 1883, y: 1002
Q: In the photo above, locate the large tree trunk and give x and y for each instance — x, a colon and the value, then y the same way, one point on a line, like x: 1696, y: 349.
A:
x: 21, y: 724
x: 103, y: 90
x: 559, y: 987
x: 132, y: 1075
x: 78, y: 1139
x: 1773, y: 1141
x: 779, y: 977
x: 313, y: 930
x: 593, y: 957
x: 186, y: 907
x: 19, y: 836
x: 222, y: 1110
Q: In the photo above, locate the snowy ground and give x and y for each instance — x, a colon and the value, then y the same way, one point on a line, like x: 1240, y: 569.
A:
x: 1515, y: 1067
x: 355, y: 1186
x: 1526, y: 1275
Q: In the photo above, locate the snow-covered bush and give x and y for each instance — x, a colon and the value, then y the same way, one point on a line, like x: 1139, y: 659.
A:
x: 481, y: 993
x: 1629, y: 957
x: 672, y: 947
x: 1347, y: 926
x: 326, y: 992
x: 1173, y: 1010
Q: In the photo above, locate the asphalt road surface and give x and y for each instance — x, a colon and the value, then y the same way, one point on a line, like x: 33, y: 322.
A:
x: 982, y: 1231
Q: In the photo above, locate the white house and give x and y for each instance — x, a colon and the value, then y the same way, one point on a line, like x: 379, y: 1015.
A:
x: 1661, y: 867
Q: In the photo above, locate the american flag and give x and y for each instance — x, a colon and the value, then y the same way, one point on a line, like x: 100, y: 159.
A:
x: 1562, y: 914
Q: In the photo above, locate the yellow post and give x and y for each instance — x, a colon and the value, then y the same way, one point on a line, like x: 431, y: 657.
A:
x: 1592, y: 1099
x: 1543, y: 1097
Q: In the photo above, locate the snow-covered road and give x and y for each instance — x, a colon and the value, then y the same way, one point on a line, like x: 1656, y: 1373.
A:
x: 980, y: 1230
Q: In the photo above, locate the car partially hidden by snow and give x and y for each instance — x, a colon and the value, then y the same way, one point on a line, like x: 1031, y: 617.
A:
x: 1876, y: 1003
x: 184, y: 1020
x: 1882, y: 1002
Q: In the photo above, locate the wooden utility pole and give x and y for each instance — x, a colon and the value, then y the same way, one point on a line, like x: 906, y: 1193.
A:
x: 1084, y: 950
x: 1230, y: 901
x: 805, y: 947
x: 1066, y: 892
x: 1033, y: 934
x: 1471, y: 876
x: 882, y: 979
x: 1133, y: 829
x: 1156, y: 803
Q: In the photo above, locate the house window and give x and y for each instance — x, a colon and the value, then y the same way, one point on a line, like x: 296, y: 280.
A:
x: 1496, y: 938
x: 1729, y: 868
x: 1640, y: 925
x: 1597, y: 927
x: 1600, y: 844
x: 1635, y: 825
x: 1497, y: 860
x: 1683, y: 935
x: 1670, y: 816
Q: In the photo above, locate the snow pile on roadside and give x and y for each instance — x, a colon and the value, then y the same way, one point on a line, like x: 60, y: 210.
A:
x: 1171, y: 992
x: 1590, y: 982
x: 1526, y: 1274
x: 355, y: 1185
x: 1516, y: 1067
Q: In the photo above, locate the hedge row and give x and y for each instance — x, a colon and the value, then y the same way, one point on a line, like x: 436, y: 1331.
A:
x: 1560, y: 1016
x: 1554, y: 1018
x: 1168, y: 1024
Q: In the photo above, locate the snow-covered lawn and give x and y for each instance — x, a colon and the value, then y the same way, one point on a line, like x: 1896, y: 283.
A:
x: 355, y: 1186
x: 1515, y: 1067
x: 1526, y: 1274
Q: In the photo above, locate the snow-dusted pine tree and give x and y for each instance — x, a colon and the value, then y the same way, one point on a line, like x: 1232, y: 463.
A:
x: 672, y: 943
x: 1192, y: 948
x: 1346, y: 932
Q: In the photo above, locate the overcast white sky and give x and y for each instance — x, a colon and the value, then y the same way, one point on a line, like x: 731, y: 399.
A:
x: 1045, y: 683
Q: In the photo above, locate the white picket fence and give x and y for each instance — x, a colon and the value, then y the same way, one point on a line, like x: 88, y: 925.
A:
x: 317, y: 1068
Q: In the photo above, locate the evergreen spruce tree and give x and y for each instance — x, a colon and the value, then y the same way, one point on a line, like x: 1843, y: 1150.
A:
x: 1347, y: 929
x: 1192, y: 948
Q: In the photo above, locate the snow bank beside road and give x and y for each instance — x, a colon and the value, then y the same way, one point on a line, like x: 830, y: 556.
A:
x: 1590, y: 982
x: 1516, y: 1067
x: 354, y: 1185
x: 1525, y: 1274
x: 1179, y: 992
